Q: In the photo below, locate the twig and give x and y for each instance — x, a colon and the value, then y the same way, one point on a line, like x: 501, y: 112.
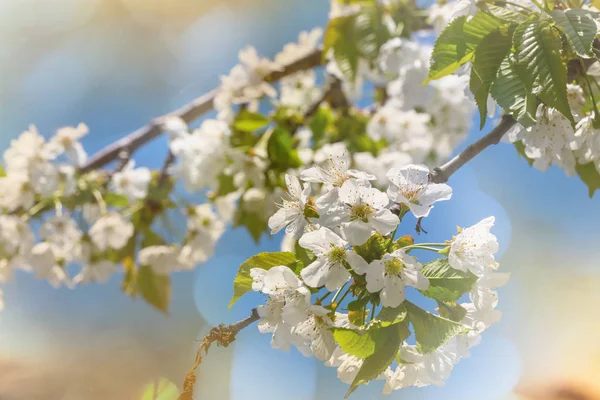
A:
x: 224, y: 335
x: 164, y: 172
x: 443, y: 173
x: 187, y: 113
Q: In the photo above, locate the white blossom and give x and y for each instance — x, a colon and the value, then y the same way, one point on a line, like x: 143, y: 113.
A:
x: 332, y: 254
x: 474, y: 247
x: 63, y: 233
x: 347, y: 365
x: 98, y: 271
x: 131, y: 182
x: 391, y: 274
x: 111, y: 231
x: 43, y: 262
x: 291, y: 210
x: 363, y: 211
x: 162, y: 259
x: 66, y: 141
x: 410, y: 186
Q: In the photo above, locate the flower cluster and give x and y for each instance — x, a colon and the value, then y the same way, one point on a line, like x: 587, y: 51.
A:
x: 70, y: 225
x: 347, y: 248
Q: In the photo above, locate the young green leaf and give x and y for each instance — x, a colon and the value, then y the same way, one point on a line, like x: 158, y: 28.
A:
x: 115, y: 200
x: 431, y: 331
x: 489, y: 55
x: 243, y: 282
x: 451, y: 311
x: 280, y: 149
x: 360, y: 344
x: 371, y: 30
x: 521, y: 152
x: 374, y: 248
x: 538, y: 48
x: 478, y: 27
x: 247, y: 121
x: 445, y: 282
x: 503, y: 13
x: 154, y: 288
x: 580, y: 29
x: 340, y: 37
x: 590, y: 176
x: 387, y: 341
x: 449, y: 50
x: 510, y: 93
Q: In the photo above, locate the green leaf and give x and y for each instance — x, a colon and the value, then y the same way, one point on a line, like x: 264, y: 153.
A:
x: 371, y: 30
x: 521, y: 152
x: 451, y: 311
x: 374, y: 248
x: 154, y: 288
x: 319, y: 123
x: 280, y: 149
x: 304, y: 255
x: 387, y: 342
x: 538, y: 48
x: 489, y: 55
x: 389, y: 315
x: 445, y: 282
x: 360, y: 344
x: 503, y: 13
x: 243, y: 282
x: 256, y: 223
x: 510, y: 93
x: 151, y: 238
x: 116, y: 200
x: 590, y: 176
x: 247, y: 121
x: 431, y: 331
x: 2, y: 171
x: 449, y: 50
x: 458, y: 41
x: 341, y: 38
x: 479, y: 27
x: 225, y: 185
x: 580, y: 29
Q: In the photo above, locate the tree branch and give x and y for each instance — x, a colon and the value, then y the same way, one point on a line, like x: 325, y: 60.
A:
x: 187, y: 113
x: 443, y: 173
x: 224, y: 335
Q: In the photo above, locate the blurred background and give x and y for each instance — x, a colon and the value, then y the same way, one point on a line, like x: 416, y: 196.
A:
x: 115, y: 64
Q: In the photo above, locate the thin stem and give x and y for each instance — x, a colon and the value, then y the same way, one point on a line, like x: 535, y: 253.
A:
x: 344, y: 296
x: 58, y: 207
x: 338, y: 293
x: 101, y: 202
x: 393, y: 236
x: 320, y: 300
x: 419, y: 247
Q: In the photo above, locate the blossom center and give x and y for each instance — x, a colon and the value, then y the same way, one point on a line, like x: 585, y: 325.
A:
x: 361, y: 212
x: 337, y: 255
x: 393, y: 267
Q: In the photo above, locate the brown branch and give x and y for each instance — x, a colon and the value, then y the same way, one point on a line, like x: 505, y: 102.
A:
x: 187, y: 113
x: 224, y: 335
x: 443, y: 173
